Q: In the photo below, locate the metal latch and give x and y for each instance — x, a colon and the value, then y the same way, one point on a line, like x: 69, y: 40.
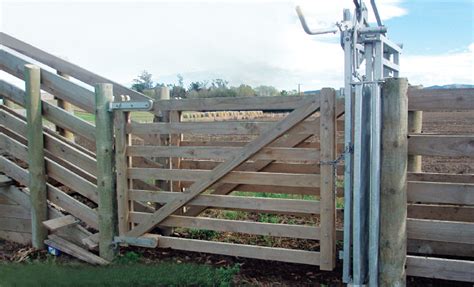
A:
x: 128, y: 105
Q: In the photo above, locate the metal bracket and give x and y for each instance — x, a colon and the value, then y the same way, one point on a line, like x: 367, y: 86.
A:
x: 148, y: 240
x: 128, y: 105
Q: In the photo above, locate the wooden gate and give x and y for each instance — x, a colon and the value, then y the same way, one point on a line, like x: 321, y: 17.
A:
x: 171, y: 175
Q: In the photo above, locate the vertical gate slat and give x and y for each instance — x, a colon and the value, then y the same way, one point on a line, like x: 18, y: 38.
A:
x: 328, y: 154
x: 307, y: 108
x: 122, y: 162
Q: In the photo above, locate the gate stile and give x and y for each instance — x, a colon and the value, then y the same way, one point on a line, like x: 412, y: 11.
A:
x: 248, y: 165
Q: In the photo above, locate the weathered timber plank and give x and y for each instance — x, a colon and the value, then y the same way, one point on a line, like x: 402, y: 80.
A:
x: 55, y: 195
x: 441, y: 212
x: 441, y: 145
x: 224, y: 225
x: 440, y: 192
x: 227, y: 104
x: 440, y: 99
x: 221, y: 128
x: 234, y: 202
x: 438, y: 248
x: 56, y: 171
x: 269, y: 153
x: 307, y: 108
x: 73, y: 233
x: 54, y: 114
x: 236, y: 177
x: 60, y: 222
x: 291, y: 140
x: 15, y: 224
x: 440, y: 177
x: 18, y: 237
x: 437, y: 230
x: 14, y: 211
x: 122, y: 162
x: 440, y: 268
x: 65, y: 66
x: 50, y: 82
x: 240, y: 250
x: 327, y: 137
x: 74, y: 250
x: 56, y: 147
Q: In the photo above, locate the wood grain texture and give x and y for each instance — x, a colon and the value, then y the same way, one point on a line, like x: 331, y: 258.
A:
x: 36, y: 163
x: 327, y: 137
x: 393, y: 187
x: 441, y: 145
x: 219, y: 172
x: 440, y: 99
x: 241, y: 250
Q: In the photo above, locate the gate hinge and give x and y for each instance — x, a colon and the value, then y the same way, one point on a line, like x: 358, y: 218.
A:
x: 127, y: 105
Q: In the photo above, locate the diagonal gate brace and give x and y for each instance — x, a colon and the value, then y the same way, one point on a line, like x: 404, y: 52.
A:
x: 307, y: 108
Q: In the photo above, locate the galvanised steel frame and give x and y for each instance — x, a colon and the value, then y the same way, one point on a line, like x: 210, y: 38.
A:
x: 364, y: 46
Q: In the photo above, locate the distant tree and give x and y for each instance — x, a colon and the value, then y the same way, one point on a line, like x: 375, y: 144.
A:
x: 197, y: 86
x: 267, y: 91
x: 177, y: 92
x: 143, y: 82
x: 180, y: 80
x: 219, y: 84
x: 244, y: 91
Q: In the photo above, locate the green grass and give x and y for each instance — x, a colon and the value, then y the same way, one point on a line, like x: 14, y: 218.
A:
x: 276, y: 195
x: 133, y: 274
x: 85, y: 116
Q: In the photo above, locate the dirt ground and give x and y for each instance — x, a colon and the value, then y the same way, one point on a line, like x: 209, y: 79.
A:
x: 252, y: 272
x: 452, y: 123
x: 269, y: 273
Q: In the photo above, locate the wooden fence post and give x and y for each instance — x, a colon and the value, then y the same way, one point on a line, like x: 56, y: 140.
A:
x: 163, y: 93
x: 36, y: 164
x: 68, y: 108
x: 105, y: 171
x: 415, y: 124
x: 393, y: 197
x: 328, y: 202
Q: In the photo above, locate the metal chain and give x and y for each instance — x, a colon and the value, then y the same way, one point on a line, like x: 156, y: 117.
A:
x: 347, y: 150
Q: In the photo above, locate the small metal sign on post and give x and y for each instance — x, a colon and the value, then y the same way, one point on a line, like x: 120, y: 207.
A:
x: 369, y: 58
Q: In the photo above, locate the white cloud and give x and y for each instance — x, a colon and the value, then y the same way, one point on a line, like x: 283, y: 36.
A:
x: 449, y: 68
x: 254, y: 42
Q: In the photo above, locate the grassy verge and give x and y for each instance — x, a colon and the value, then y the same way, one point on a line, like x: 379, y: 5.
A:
x: 135, y: 274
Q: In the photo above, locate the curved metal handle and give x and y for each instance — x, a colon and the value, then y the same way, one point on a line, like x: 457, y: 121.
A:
x: 307, y: 29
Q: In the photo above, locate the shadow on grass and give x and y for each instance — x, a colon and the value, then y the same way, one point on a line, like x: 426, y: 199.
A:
x: 162, y: 274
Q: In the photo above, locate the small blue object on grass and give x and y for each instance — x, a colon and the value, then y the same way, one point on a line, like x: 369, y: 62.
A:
x: 54, y: 251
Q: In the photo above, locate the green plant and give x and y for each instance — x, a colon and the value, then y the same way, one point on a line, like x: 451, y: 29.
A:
x: 268, y: 218
x: 202, y: 234
x: 128, y: 258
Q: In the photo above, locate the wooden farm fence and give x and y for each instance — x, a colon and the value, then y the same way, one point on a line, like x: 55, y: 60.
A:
x: 207, y: 161
x: 174, y: 174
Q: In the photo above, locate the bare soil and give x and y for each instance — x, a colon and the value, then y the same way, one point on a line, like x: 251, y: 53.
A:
x: 269, y: 273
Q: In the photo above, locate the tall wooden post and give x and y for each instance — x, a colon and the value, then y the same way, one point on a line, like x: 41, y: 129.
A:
x: 415, y: 125
x: 163, y: 93
x: 105, y: 171
x: 328, y: 202
x: 36, y: 165
x: 393, y: 197
x: 67, y: 107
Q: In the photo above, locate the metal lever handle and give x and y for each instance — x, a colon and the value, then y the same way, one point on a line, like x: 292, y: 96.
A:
x: 307, y: 29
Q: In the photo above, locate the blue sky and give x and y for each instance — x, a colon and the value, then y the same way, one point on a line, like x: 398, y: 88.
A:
x: 257, y: 42
x: 433, y: 27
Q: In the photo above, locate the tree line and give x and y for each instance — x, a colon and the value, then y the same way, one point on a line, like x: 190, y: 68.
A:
x: 207, y: 89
